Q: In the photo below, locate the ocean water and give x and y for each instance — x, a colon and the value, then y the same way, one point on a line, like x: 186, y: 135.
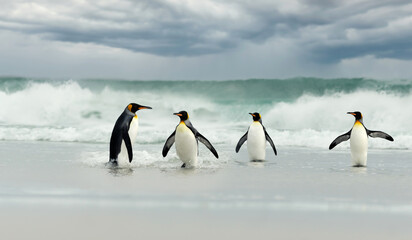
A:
x: 54, y: 142
x: 304, y: 112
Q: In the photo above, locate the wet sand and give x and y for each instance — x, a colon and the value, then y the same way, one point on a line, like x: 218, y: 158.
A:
x: 64, y: 191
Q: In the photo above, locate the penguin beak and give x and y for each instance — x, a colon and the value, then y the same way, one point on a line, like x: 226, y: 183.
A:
x: 251, y: 114
x: 177, y: 114
x: 144, y: 107
x: 351, y: 113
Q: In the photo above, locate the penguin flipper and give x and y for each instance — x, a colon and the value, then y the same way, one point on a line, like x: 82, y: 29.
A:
x: 241, y: 141
x: 379, y: 134
x: 270, y: 141
x: 168, y: 144
x: 341, y: 138
x: 128, y: 144
x: 201, y: 138
x: 206, y: 142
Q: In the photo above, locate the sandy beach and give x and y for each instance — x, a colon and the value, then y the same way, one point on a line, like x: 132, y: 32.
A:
x: 64, y: 190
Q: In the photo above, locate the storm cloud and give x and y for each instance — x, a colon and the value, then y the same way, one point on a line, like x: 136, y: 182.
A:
x: 326, y: 31
x: 206, y: 39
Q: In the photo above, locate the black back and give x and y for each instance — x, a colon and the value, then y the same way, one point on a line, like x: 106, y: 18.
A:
x: 121, y: 127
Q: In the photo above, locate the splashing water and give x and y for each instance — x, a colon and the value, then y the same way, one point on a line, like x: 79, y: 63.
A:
x: 305, y: 112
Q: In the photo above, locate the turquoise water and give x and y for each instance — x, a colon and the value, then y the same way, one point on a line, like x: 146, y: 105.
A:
x: 257, y: 90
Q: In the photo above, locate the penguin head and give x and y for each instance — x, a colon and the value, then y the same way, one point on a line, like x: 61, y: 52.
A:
x: 256, y: 116
x: 358, y: 115
x: 183, y: 115
x: 134, y: 107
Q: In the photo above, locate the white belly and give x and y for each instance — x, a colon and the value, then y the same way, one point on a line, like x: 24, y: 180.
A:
x: 359, y: 145
x: 123, y: 158
x: 256, y: 142
x: 186, y: 145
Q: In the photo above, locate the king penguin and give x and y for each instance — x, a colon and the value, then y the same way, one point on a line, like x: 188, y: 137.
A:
x: 358, y: 136
x: 124, y: 134
x: 186, y: 138
x: 256, y: 137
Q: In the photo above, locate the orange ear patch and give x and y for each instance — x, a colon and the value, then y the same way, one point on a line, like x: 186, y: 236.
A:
x: 129, y: 107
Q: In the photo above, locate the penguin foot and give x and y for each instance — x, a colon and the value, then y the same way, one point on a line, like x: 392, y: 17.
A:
x: 358, y: 165
x: 184, y: 165
x: 257, y: 160
x: 112, y: 163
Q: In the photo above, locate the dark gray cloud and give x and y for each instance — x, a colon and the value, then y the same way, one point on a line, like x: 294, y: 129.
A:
x: 327, y: 31
x: 380, y: 29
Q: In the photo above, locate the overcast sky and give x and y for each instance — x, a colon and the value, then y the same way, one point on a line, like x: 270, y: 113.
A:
x: 206, y: 39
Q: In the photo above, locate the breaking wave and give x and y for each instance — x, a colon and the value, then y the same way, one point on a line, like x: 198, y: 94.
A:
x: 307, y: 112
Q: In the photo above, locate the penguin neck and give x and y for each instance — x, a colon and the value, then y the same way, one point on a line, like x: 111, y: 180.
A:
x: 185, y: 122
x: 128, y: 112
x: 358, y: 121
x: 258, y: 121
